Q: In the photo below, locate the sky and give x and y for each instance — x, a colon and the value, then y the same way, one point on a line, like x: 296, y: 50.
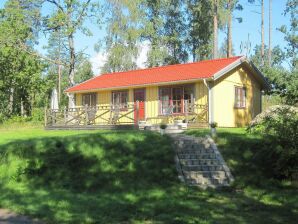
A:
x: 247, y: 31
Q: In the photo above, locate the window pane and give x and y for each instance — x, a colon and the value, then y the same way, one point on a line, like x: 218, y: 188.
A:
x: 177, y: 99
x: 240, y: 97
x: 93, y: 100
x: 120, y: 99
x: 89, y: 99
x: 165, y: 96
x: 189, y: 97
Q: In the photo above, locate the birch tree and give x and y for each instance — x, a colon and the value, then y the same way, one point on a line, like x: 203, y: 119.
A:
x: 69, y: 17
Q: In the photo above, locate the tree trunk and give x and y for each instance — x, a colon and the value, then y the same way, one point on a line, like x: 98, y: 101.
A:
x: 59, y: 83
x: 229, y: 33
x: 22, y: 107
x: 11, y: 99
x: 59, y: 66
x: 215, y: 29
x: 270, y: 31
x: 193, y: 52
x: 70, y: 38
x: 71, y: 71
x: 262, y: 35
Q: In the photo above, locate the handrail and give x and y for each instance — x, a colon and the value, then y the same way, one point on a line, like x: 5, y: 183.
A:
x: 117, y: 114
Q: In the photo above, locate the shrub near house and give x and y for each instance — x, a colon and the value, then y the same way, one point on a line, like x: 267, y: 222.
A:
x: 279, y: 151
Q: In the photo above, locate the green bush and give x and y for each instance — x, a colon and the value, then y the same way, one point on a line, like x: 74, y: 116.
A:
x: 2, y: 118
x: 278, y: 152
x: 37, y: 114
x: 17, y: 119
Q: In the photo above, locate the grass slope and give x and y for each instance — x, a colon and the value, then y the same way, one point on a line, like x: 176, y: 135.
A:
x: 129, y: 177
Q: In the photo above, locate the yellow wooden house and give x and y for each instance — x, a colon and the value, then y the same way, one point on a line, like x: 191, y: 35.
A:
x: 227, y: 91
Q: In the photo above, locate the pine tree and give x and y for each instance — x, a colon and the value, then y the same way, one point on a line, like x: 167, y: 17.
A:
x: 199, y: 27
x: 175, y: 32
x: 153, y: 32
x: 290, y: 33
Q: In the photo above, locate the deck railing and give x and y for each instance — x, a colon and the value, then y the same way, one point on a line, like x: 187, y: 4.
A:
x: 118, y: 114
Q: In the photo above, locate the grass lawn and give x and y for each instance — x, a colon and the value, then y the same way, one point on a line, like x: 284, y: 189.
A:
x: 130, y: 177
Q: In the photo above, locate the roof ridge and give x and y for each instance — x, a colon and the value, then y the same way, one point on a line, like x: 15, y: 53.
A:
x: 158, y: 67
x: 133, y: 73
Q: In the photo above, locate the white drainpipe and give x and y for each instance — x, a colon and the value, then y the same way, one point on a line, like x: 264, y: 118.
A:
x: 210, y: 101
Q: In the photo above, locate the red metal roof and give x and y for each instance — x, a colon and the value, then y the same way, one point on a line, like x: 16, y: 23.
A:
x: 164, y: 74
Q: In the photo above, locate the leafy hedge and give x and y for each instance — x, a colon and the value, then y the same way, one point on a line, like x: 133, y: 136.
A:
x: 278, y: 152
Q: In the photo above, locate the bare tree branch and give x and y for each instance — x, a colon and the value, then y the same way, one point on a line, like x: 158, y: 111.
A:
x: 56, y: 3
x: 82, y: 13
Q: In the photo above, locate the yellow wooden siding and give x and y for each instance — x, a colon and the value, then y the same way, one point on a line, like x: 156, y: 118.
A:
x: 225, y: 114
x: 151, y: 105
x: 104, y: 98
x: 78, y: 100
x: 152, y: 102
x: 201, y: 93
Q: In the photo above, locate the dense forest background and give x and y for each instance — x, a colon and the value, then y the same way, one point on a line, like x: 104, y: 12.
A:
x: 177, y: 31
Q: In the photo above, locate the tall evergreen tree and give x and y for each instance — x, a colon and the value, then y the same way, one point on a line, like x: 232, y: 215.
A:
x: 175, y: 32
x: 290, y: 33
x: 153, y: 32
x: 215, y: 5
x: 231, y: 5
x: 199, y: 28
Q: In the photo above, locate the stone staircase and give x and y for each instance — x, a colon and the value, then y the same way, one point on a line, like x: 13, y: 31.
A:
x: 199, y: 163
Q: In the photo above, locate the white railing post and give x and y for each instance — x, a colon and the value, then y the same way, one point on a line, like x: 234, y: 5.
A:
x: 138, y: 110
x: 65, y: 115
x: 86, y: 114
x: 186, y: 110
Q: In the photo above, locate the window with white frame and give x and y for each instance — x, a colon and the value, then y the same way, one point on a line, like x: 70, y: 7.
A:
x: 172, y: 99
x: 120, y: 99
x: 240, y: 97
x: 89, y: 99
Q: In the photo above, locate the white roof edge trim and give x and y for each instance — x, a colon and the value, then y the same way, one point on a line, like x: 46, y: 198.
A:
x: 228, y: 68
x: 236, y: 63
x: 186, y: 81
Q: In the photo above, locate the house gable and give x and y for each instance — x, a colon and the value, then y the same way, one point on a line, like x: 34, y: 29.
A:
x: 224, y: 109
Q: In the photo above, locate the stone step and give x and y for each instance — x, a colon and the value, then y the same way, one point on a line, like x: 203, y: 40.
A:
x: 198, y: 156
x: 194, y: 151
x: 200, y: 163
x: 207, y: 181
x: 205, y: 174
x: 191, y: 142
x: 204, y: 162
x: 202, y: 168
x: 191, y: 147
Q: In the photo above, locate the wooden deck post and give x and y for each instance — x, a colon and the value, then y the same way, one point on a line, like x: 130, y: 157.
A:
x: 65, y: 115
x: 138, y: 111
x: 186, y: 110
x: 86, y: 113
x: 53, y: 113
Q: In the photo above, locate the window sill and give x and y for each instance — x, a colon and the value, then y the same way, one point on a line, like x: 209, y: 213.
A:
x: 239, y: 107
x: 173, y: 114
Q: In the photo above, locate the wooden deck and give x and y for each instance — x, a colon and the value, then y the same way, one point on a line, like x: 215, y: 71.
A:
x: 92, y: 127
x: 115, y: 117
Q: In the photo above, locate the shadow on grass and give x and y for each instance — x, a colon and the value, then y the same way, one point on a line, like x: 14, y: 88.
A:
x: 119, y: 177
x: 241, y: 151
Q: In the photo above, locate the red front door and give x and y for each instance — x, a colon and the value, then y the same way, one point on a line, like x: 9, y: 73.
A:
x: 139, y: 98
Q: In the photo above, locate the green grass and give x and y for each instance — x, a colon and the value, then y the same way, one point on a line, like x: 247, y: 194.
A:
x: 130, y: 177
